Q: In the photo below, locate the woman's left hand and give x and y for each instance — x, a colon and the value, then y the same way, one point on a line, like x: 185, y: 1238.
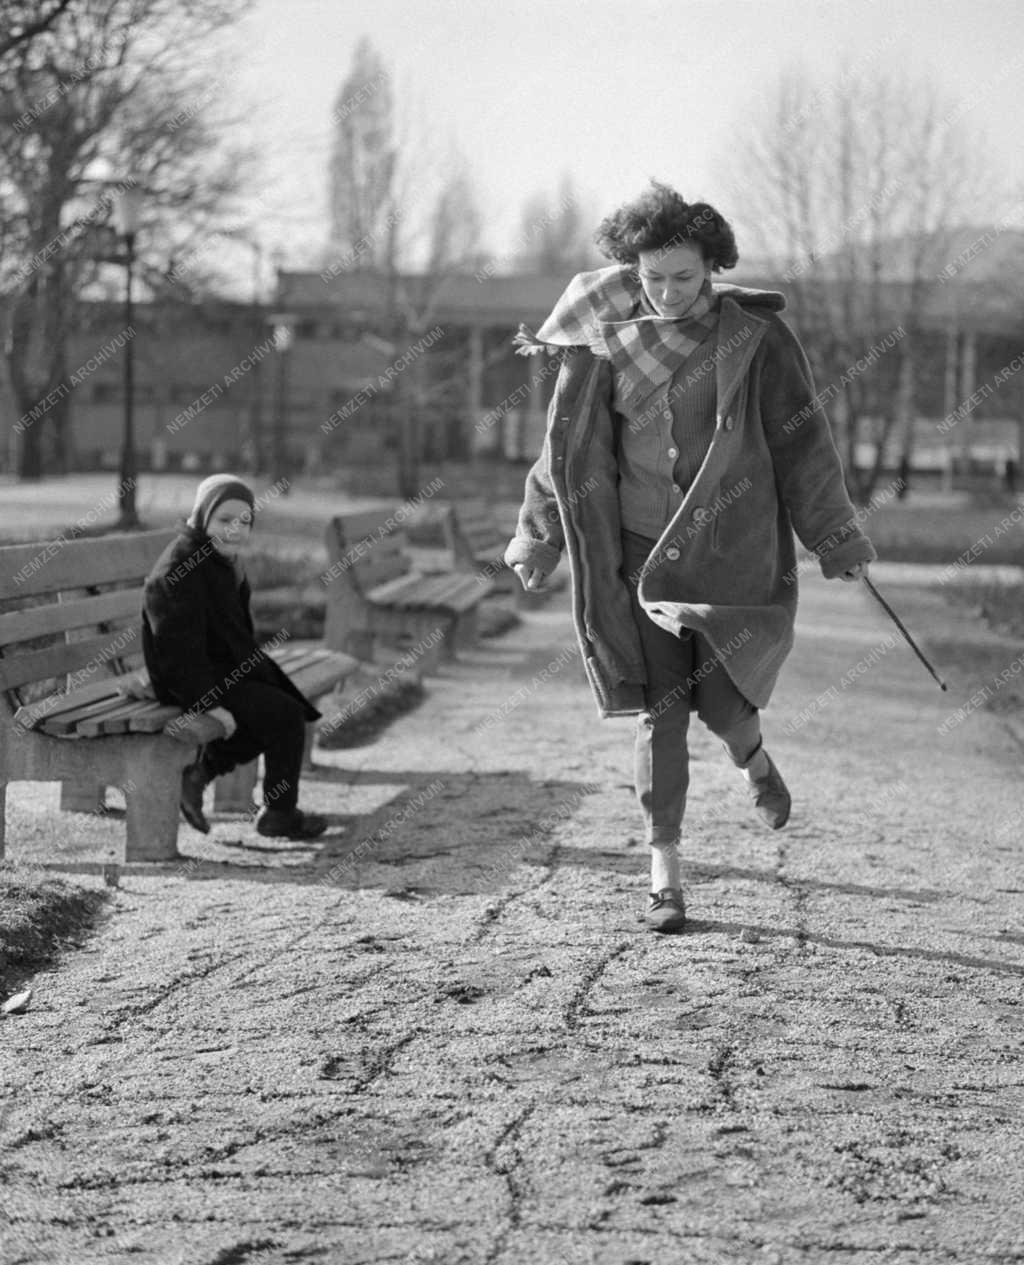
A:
x: 859, y: 572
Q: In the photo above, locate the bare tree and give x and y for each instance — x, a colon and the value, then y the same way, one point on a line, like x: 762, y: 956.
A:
x: 555, y: 237
x: 25, y: 19
x: 362, y: 164
x: 113, y: 88
x: 855, y: 189
x: 406, y: 211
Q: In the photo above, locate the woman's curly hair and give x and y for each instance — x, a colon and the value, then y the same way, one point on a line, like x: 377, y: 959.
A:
x: 661, y: 220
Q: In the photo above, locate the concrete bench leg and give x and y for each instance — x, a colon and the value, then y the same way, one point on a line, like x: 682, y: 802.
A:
x: 467, y: 629
x: 307, y: 748
x: 152, y: 792
x: 233, y: 792
x: 79, y: 795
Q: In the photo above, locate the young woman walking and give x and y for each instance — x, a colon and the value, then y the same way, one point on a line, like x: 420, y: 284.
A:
x: 687, y: 412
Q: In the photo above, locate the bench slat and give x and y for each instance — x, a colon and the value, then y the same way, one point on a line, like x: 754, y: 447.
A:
x: 119, y: 720
x: 155, y: 719
x: 283, y: 655
x: 299, y: 658
x: 380, y: 570
x: 435, y: 592
x: 462, y: 597
x: 67, y: 722
x: 28, y: 716
x: 37, y: 621
x: 404, y: 591
x: 107, y: 721
x: 48, y: 566
x: 322, y: 676
x: 372, y: 557
x: 364, y: 524
x: 439, y: 590
x: 38, y: 665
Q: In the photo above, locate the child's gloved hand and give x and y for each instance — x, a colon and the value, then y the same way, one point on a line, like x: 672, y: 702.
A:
x: 224, y: 718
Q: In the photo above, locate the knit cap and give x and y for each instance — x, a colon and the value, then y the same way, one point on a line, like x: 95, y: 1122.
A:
x: 212, y: 491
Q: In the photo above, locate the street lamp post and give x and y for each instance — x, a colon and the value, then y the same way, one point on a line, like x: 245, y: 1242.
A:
x: 284, y: 335
x: 128, y: 208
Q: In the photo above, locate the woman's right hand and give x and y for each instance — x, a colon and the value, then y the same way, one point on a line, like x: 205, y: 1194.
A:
x: 530, y: 577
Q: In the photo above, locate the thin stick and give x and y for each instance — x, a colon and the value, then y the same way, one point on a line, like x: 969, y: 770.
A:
x: 899, y: 624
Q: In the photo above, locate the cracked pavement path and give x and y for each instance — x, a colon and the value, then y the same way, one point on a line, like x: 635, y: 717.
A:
x: 441, y: 1034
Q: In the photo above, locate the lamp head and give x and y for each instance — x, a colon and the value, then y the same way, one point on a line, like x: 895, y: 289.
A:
x: 128, y: 210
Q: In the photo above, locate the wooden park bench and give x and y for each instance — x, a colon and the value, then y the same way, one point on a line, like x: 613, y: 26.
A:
x: 70, y: 642
x: 477, y: 543
x: 375, y: 594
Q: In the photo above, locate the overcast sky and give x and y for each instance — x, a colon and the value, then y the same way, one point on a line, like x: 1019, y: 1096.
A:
x: 611, y: 92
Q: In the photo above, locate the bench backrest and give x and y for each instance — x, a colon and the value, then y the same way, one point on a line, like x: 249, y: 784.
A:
x: 473, y: 531
x: 367, y: 548
x: 70, y: 611
x: 364, y: 549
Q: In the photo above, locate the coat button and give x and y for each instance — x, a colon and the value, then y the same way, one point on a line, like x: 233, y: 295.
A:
x: 729, y: 423
x: 672, y: 553
x: 673, y: 452
x: 701, y: 515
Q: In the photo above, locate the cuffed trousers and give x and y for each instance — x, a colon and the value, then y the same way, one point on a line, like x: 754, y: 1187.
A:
x: 683, y: 674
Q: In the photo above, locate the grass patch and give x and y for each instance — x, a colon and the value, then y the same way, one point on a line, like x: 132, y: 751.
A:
x: 940, y: 532
x: 1001, y: 606
x: 37, y: 914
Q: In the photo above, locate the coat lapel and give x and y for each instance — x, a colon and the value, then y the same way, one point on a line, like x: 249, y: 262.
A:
x: 739, y: 336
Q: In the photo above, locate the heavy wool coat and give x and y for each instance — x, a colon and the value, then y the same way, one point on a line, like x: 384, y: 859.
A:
x: 198, y: 637
x: 725, y: 565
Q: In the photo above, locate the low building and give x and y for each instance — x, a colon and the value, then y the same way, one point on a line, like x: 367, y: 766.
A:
x: 318, y: 379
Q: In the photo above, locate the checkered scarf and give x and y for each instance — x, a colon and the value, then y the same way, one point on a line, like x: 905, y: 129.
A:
x: 607, y: 312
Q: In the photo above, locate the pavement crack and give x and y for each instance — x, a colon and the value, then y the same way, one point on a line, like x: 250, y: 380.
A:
x: 509, y: 1171
x: 135, y: 1010
x: 494, y: 910
x: 798, y: 893
x: 376, y: 1063
x: 721, y: 1068
x: 238, y: 1252
x: 575, y: 1009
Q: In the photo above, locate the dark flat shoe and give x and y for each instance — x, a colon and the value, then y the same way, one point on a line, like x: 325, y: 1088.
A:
x: 193, y: 783
x: 771, y: 798
x: 666, y: 912
x: 275, y: 824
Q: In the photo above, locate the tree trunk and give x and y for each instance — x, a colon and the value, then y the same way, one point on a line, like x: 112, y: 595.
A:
x: 904, y: 418
x: 30, y: 454
x: 870, y: 481
x: 408, y: 451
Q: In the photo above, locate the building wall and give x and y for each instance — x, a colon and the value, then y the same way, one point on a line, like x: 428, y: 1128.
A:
x: 208, y: 385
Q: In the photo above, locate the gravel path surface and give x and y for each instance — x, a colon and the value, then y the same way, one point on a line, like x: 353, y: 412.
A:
x: 442, y: 1035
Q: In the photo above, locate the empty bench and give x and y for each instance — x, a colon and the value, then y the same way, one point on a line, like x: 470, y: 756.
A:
x: 70, y: 640
x: 375, y: 594
x: 477, y: 543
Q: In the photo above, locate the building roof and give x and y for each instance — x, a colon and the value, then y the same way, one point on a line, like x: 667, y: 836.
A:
x: 980, y: 292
